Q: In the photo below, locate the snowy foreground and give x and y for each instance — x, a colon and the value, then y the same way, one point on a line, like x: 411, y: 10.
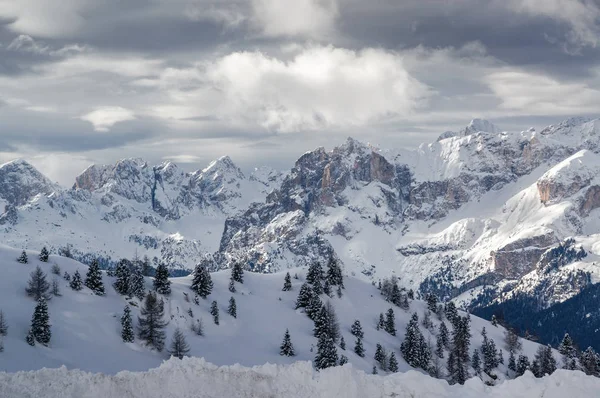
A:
x: 196, y: 378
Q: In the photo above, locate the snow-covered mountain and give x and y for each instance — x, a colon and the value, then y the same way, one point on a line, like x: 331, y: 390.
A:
x: 480, y: 215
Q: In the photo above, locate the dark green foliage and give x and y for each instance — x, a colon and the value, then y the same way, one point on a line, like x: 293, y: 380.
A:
x: 522, y: 365
x: 202, y: 283
x: 147, y: 268
x: 390, y: 322
x: 343, y: 360
x: 30, y: 339
x: 287, y: 283
x: 459, y: 354
x: 374, y: 371
x: 393, y: 363
x: 313, y: 308
x: 40, y: 323
x: 76, y: 282
x: 151, y: 324
x: 590, y: 362
x: 451, y: 312
x: 93, y: 279
x: 37, y: 286
x: 44, y: 255
x: 342, y: 343
x: 490, y: 354
x: 356, y: 329
x: 380, y: 357
x: 161, y: 283
x: 67, y: 276
x: 214, y: 311
x: 123, y: 275
x: 443, y: 335
x: 317, y: 287
x: 127, y: 326
x: 512, y: 362
x: 381, y: 322
x: 494, y: 320
x: 544, y: 362
x: 358, y: 347
x: 304, y: 296
x: 439, y: 346
x: 237, y: 272
x: 23, y: 258
x: 179, y: 346
x: 415, y: 350
x: 55, y: 269
x: 137, y: 286
x: 315, y: 273
x: 232, y: 308
x: 569, y: 352
x: 326, y: 353
x: 287, y: 348
x: 476, y: 362
x: 326, y: 323
x: 334, y: 275
x: 432, y: 302
x: 232, y: 285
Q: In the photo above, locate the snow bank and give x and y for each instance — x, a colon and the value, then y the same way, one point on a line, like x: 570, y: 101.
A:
x: 197, y: 378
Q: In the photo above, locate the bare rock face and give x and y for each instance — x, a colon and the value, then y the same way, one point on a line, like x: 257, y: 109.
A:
x: 520, y: 257
x: 591, y: 200
x: 21, y: 182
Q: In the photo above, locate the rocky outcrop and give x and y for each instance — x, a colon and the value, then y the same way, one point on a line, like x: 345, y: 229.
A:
x: 520, y: 257
x: 20, y: 182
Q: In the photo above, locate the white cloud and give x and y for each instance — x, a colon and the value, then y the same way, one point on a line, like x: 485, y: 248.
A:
x: 104, y: 118
x: 305, y: 18
x: 26, y: 43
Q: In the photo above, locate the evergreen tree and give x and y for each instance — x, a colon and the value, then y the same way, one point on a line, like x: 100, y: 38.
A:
x: 30, y: 339
x: 315, y: 273
x: 314, y: 307
x: 512, y: 363
x: 179, y: 347
x: 403, y: 302
x: 512, y: 341
x: 23, y: 258
x: 396, y: 296
x: 287, y: 348
x: 40, y: 322
x: 426, y: 322
x: 569, y: 352
x: 198, y: 327
x: 147, y: 269
x: 413, y: 347
x: 339, y: 292
x: 522, y: 365
x: 76, y: 282
x: 67, y: 276
x: 55, y: 288
x: 304, y: 296
x: 343, y: 360
x: 231, y: 285
x: 3, y: 324
x: 358, y: 347
x: 393, y: 363
x: 451, y: 312
x: 237, y: 272
x: 137, y: 286
x: 326, y: 323
x: 55, y: 269
x: 326, y: 353
x: 44, y: 255
x: 589, y: 361
x: 151, y: 324
x: 214, y: 311
x: 334, y: 273
x: 390, y: 322
x: 439, y: 347
x: 287, y: 283
x: 494, y: 321
x: 381, y: 322
x: 432, y: 302
x: 127, y: 326
x: 343, y: 343
x: 93, y: 278
x: 161, y: 283
x: 327, y: 288
x: 374, y: 371
x: 202, y: 283
x: 356, y: 329
x: 123, y: 275
x: 544, y: 361
x: 444, y: 335
x: 461, y: 340
x: 380, y: 356
x: 317, y: 287
x: 411, y: 294
x: 476, y: 362
x: 37, y: 286
x: 490, y: 355
x: 232, y: 309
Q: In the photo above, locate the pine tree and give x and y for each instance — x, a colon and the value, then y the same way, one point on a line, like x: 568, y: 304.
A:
x: 380, y: 356
x: 237, y: 272
x: 127, y: 326
x: 161, y: 283
x: 356, y: 329
x: 569, y: 352
x: 342, y: 343
x: 334, y: 273
x: 490, y: 355
x: 40, y: 323
x: 202, y: 283
x: 44, y: 255
x: 304, y: 296
x: 522, y: 365
x: 343, y: 360
x: 403, y: 302
x: 512, y: 363
x: 55, y: 288
x: 439, y: 347
x: 494, y: 321
x: 451, y: 312
x: 3, y: 324
x: 93, y: 278
x: 315, y: 273
x: 327, y: 288
x: 147, y: 269
x: 545, y: 362
x: 426, y: 322
x: 151, y: 324
x: 55, y: 269
x: 23, y: 258
x: 476, y: 362
x: 381, y: 322
x: 589, y: 362
x: 512, y: 341
x: 30, y: 338
x: 232, y: 285
x: 232, y: 309
x: 358, y: 347
x: 396, y: 297
x: 411, y: 294
x: 461, y: 340
x: 198, y: 327
x: 123, y: 275
x: 137, y: 285
x: 374, y: 371
x: 76, y: 282
x: 390, y: 322
x: 326, y: 353
x: 393, y: 363
x: 287, y: 348
x: 339, y: 292
x: 179, y: 347
x: 412, y: 347
x: 314, y: 307
x: 444, y: 335
x: 37, y: 286
x: 432, y: 302
x: 317, y: 287
x: 287, y: 283
x: 214, y: 311
x: 67, y: 276
x: 326, y: 323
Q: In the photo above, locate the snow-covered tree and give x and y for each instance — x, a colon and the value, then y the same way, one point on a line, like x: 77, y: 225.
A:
x: 390, y: 322
x: 161, y: 283
x: 393, y: 363
x: 342, y: 343
x: 444, y: 335
x: 522, y: 365
x: 343, y: 360
x: 232, y: 285
x: 334, y: 273
x: 150, y: 323
x: 512, y: 341
x: 313, y: 308
x: 304, y: 296
x: 76, y: 282
x: 123, y: 275
x: 326, y: 323
x: 381, y: 322
x: 287, y: 283
x: 432, y: 302
x: 3, y: 324
x: 451, y: 312
x: 380, y: 356
x: 30, y: 339
x: 317, y: 287
x: 315, y: 273
x: 23, y: 258
x: 37, y: 286
x: 287, y: 348
x: 326, y: 353
x: 93, y: 278
x: 356, y: 329
x: 44, y: 255
x: 232, y: 308
x: 202, y: 283
x: 55, y: 289
x: 544, y: 362
x: 358, y: 347
x: 67, y: 276
x: 198, y: 327
x: 40, y: 322
x: 569, y: 352
x: 127, y: 326
x: 490, y: 354
x: 494, y: 320
x: 590, y: 362
x: 214, y: 311
x: 55, y: 269
x: 237, y: 272
x: 459, y: 354
x: 415, y: 350
x: 439, y: 346
x: 179, y: 347
x: 476, y: 362
x: 512, y: 362
x: 137, y: 285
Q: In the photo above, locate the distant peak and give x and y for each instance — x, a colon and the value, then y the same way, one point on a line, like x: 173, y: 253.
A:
x: 477, y: 125
x: 17, y: 163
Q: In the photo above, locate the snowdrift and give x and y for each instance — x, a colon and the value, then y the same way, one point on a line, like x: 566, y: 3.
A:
x: 194, y: 377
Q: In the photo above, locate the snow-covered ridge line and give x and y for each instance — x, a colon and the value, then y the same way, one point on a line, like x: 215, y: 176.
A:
x: 193, y: 377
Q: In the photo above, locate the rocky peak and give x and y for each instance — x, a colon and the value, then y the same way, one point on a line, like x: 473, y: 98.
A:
x: 481, y: 125
x: 20, y: 182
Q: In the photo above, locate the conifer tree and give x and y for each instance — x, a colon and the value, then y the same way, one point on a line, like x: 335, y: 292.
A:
x: 44, y: 255
x: 393, y: 363
x: 232, y: 309
x: 317, y: 287
x: 161, y: 283
x: 93, y: 278
x: 358, y: 347
x: 314, y: 307
x: 326, y: 353
x: 380, y: 357
x: 146, y: 268
x: 522, y: 365
x: 202, y: 283
x: 179, y: 346
x: 396, y: 297
x: 76, y: 282
x: 426, y: 322
x: 374, y: 371
x: 512, y: 341
x: 589, y: 362
x: 315, y: 273
x: 23, y: 258
x: 334, y: 273
x: 150, y: 323
x: 37, y: 286
x: 390, y: 322
x: 494, y: 321
x: 327, y: 288
x: 411, y: 294
x: 231, y: 287
x: 30, y: 339
x: 343, y: 360
x: 237, y: 272
x: 432, y: 302
x: 123, y: 275
x: 304, y: 296
x: 55, y: 269
x: 443, y: 335
x: 342, y: 343
x: 287, y: 348
x: 512, y: 362
x: 214, y: 311
x: 545, y: 363
x: 439, y: 347
x: 287, y: 283
x: 569, y: 352
x: 412, y: 347
x: 3, y: 324
x: 198, y: 327
x: 381, y: 322
x: 127, y: 326
x: 40, y: 323
x: 55, y: 288
x: 67, y: 276
x: 403, y: 301
x: 461, y: 335
x: 476, y: 362
x: 490, y: 355
x: 137, y: 286
x: 451, y: 312
x: 356, y: 329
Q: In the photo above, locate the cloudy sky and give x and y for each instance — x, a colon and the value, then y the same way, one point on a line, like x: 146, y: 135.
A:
x: 93, y: 81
